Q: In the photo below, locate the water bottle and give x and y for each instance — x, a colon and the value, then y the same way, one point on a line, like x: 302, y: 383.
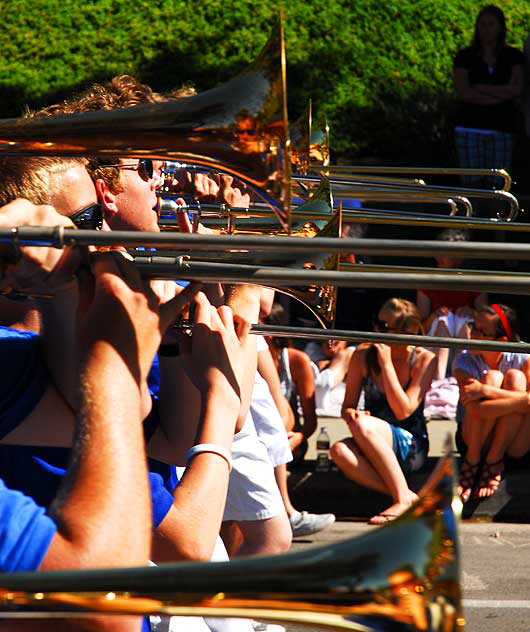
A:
x: 322, y: 451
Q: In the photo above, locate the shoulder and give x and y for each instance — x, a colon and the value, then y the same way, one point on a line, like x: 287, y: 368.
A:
x: 298, y: 357
x: 423, y: 357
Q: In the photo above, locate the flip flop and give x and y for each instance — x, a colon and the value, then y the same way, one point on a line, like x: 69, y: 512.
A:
x: 382, y: 518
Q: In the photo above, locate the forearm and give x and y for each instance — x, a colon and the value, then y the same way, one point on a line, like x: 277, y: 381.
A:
x: 310, y: 416
x: 106, y: 488
x: 490, y: 391
x: 179, y: 408
x: 200, y: 497
x: 244, y: 300
x: 493, y: 408
x: 397, y: 398
x: 59, y: 340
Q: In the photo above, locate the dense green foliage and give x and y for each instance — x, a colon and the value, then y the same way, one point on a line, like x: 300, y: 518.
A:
x: 380, y: 70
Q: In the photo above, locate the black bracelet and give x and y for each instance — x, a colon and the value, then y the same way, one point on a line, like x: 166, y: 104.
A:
x: 169, y: 351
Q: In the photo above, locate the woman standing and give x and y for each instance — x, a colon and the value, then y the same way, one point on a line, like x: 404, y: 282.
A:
x: 389, y: 437
x: 488, y: 77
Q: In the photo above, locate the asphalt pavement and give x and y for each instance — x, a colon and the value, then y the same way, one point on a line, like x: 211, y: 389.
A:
x: 495, y: 572
x: 495, y: 556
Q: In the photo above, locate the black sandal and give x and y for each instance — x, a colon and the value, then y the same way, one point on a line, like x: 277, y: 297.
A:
x: 490, y: 478
x: 466, y: 479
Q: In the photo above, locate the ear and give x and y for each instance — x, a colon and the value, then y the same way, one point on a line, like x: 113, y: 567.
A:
x: 106, y: 197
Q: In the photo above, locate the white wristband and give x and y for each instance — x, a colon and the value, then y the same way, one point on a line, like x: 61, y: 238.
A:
x: 209, y: 447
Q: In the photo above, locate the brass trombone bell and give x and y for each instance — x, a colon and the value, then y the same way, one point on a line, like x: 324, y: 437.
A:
x: 403, y: 576
x: 208, y: 129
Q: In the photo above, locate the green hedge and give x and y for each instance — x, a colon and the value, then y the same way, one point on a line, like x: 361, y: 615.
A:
x: 381, y: 71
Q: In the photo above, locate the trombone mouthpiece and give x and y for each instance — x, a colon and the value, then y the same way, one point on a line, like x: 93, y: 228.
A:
x: 168, y: 208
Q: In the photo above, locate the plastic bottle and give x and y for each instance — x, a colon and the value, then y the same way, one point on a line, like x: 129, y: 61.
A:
x: 323, y: 461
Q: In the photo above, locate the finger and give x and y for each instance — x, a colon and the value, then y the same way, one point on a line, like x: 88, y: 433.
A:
x: 172, y: 308
x: 226, y: 182
x: 183, y: 222
x: 227, y: 316
x: 242, y: 327
x: 202, y: 309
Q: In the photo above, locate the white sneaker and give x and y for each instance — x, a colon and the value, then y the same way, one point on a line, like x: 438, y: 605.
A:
x: 260, y: 626
x: 303, y: 523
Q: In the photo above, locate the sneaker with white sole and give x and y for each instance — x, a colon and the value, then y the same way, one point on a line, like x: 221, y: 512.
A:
x: 261, y: 626
x: 304, y: 523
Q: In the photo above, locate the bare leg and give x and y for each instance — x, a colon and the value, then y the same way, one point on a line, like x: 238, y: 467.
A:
x: 265, y: 537
x: 280, y: 474
x: 352, y: 462
x: 374, y: 438
x: 521, y: 442
x: 505, y: 432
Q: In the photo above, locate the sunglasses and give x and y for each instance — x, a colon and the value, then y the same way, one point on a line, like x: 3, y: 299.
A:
x: 247, y: 132
x: 144, y: 167
x: 90, y: 217
x: 382, y: 326
x: 483, y: 334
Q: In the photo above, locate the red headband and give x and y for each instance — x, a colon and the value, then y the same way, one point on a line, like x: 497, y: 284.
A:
x: 504, y: 321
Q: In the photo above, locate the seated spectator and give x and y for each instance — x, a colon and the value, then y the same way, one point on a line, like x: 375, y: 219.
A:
x: 297, y: 381
x: 330, y: 359
x: 493, y: 397
x: 389, y: 438
x: 447, y: 313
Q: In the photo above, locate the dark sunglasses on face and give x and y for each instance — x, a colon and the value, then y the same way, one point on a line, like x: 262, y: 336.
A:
x: 476, y: 330
x: 380, y: 325
x: 144, y: 167
x: 383, y: 327
x: 90, y: 217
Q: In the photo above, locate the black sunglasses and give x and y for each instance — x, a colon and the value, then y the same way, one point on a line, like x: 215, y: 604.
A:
x: 380, y: 325
x: 144, y: 167
x: 90, y: 217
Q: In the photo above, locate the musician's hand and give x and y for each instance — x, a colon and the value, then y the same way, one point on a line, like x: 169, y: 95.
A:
x: 38, y: 269
x: 124, y: 312
x: 232, y: 195
x: 206, y: 188
x: 216, y: 349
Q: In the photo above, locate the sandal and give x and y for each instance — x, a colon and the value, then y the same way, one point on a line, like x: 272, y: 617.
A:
x: 490, y: 478
x: 466, y: 479
x: 382, y: 518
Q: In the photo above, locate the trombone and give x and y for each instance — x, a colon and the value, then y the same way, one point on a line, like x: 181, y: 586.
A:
x: 404, y: 575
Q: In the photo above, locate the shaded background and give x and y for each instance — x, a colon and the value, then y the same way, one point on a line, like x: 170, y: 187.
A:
x: 380, y: 71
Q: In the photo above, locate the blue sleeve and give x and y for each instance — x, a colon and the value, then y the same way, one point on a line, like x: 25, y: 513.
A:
x: 145, y: 625
x: 153, y: 379
x: 161, y: 498
x: 25, y: 532
x: 38, y: 473
x: 24, y: 377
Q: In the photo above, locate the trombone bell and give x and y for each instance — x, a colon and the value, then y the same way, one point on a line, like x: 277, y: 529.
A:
x: 402, y: 576
x: 238, y: 128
